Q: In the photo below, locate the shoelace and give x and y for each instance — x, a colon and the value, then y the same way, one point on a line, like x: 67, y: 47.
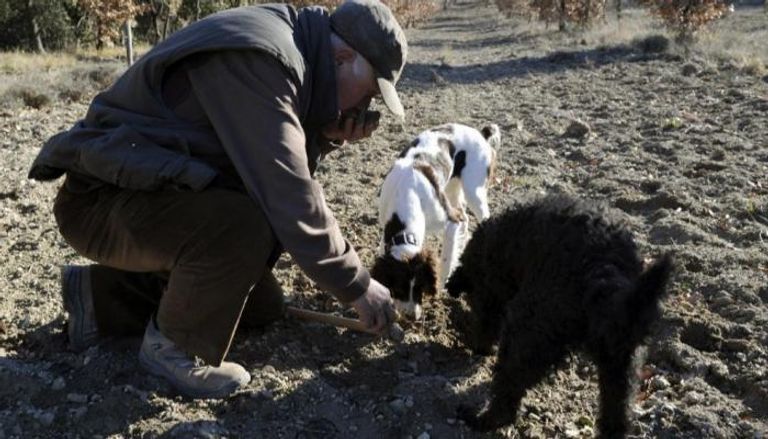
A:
x: 186, y: 361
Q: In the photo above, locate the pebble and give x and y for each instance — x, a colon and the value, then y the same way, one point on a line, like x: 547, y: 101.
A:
x: 46, y: 418
x: 572, y: 432
x: 77, y: 398
x: 577, y: 129
x: 79, y: 412
x: 666, y: 409
x: 690, y: 69
x: 423, y: 435
x: 450, y: 421
x: 59, y: 384
x: 397, y: 406
x: 659, y: 383
x: 692, y: 398
x: 353, y: 428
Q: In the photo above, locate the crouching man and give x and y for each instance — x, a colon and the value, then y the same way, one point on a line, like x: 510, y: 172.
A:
x: 193, y: 172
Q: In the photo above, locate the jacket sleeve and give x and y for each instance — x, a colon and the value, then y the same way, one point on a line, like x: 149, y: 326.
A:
x: 251, y: 102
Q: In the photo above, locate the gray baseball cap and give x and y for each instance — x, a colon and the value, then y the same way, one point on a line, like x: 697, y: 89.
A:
x: 370, y: 28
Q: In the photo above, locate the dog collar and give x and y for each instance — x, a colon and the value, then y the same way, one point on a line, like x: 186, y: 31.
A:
x: 403, y: 238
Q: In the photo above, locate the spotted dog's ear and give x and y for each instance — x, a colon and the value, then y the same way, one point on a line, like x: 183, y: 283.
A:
x: 383, y: 270
x: 427, y: 272
x: 492, y: 134
x: 458, y: 282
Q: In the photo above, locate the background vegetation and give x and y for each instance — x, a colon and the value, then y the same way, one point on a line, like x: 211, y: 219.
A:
x: 42, y: 25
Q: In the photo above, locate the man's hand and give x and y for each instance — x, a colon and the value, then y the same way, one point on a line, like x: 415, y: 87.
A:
x: 352, y: 126
x: 375, y: 308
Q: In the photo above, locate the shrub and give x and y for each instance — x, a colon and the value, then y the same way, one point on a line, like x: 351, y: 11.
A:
x: 33, y: 98
x: 581, y: 12
x: 687, y: 17
x: 408, y: 12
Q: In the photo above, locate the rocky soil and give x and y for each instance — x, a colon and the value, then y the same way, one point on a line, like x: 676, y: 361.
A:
x: 676, y: 140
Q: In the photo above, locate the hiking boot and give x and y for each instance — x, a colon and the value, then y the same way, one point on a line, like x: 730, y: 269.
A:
x: 189, y: 375
x: 77, y: 295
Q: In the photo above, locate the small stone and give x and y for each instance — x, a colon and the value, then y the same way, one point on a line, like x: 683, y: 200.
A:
x: 409, y: 402
x: 268, y: 369
x: 450, y: 421
x: 59, y: 384
x: 428, y: 426
x: 659, y: 383
x: 690, y: 69
x: 353, y: 428
x: 46, y: 418
x: 692, y: 398
x: 77, y: 398
x: 577, y: 129
x: 79, y: 412
x: 423, y: 435
x: 572, y: 432
x: 397, y: 406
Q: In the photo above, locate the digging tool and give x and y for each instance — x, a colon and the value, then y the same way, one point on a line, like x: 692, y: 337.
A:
x: 395, y: 332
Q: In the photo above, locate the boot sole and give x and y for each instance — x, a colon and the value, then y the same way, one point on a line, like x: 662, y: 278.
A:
x: 72, y: 280
x: 152, y: 367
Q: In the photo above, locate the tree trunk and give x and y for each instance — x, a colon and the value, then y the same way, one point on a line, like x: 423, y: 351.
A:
x: 166, y: 24
x: 36, y: 27
x: 129, y: 42
x: 197, y: 10
x: 561, y: 25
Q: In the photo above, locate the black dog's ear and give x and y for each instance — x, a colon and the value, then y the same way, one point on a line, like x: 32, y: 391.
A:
x: 457, y: 283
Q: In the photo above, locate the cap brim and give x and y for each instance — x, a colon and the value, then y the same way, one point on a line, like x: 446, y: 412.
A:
x: 389, y: 94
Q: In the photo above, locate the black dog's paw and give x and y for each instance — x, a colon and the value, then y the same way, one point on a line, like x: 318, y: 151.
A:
x: 468, y: 414
x: 484, y: 422
x: 484, y: 349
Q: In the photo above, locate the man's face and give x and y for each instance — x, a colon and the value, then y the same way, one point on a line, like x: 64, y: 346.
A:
x: 355, y: 82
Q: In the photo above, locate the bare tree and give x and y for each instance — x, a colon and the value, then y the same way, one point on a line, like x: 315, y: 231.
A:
x: 108, y: 16
x: 36, y: 28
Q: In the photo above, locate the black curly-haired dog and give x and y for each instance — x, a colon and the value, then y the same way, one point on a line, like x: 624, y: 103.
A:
x: 552, y: 276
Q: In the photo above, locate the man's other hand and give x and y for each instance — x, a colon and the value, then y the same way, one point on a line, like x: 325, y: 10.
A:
x: 352, y: 126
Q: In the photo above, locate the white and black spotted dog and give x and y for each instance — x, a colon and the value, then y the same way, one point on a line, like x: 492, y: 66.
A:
x: 426, y: 192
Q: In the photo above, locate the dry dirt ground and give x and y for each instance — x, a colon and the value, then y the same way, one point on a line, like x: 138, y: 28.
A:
x: 677, y: 141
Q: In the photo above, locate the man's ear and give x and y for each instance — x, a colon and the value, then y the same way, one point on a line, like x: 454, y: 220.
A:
x: 343, y: 54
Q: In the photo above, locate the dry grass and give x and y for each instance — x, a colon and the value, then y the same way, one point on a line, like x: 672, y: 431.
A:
x: 634, y: 24
x: 38, y: 80
x: 747, y: 48
x: 25, y: 62
x: 738, y: 39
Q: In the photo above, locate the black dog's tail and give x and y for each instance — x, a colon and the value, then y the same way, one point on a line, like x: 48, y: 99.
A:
x: 641, y: 306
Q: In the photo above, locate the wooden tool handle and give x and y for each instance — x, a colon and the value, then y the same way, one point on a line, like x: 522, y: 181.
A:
x: 320, y: 317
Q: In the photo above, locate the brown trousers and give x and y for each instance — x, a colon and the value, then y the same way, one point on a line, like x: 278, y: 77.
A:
x: 199, y: 260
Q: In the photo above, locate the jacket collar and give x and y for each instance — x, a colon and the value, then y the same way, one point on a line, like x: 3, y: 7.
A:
x: 317, y: 96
